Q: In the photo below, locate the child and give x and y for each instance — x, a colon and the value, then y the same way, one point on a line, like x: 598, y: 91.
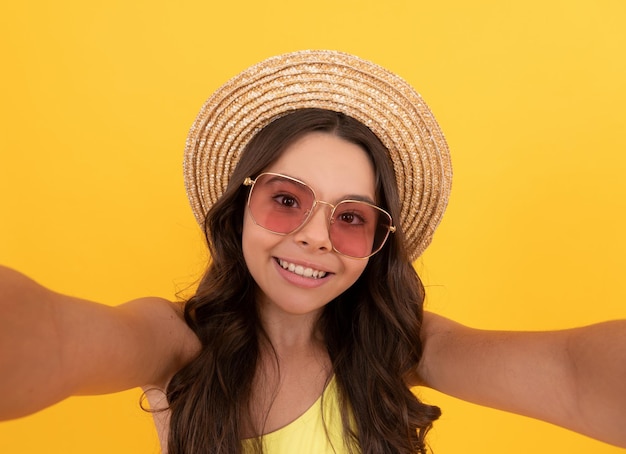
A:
x: 318, y: 178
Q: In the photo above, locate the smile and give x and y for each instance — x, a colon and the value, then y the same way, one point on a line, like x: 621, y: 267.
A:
x: 301, y: 270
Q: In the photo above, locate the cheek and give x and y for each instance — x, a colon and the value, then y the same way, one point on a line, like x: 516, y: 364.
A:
x: 247, y: 237
x: 357, y: 269
x: 352, y: 270
x: 256, y: 242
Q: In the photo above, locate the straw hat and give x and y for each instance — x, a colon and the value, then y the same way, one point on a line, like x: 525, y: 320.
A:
x: 335, y: 81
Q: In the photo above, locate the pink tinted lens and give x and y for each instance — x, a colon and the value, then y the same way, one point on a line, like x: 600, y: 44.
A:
x: 280, y: 204
x: 358, y: 229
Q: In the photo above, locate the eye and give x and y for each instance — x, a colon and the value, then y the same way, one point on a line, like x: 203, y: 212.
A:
x: 351, y: 218
x: 286, y: 200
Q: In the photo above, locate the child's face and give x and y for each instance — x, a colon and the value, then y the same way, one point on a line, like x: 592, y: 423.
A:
x: 336, y: 170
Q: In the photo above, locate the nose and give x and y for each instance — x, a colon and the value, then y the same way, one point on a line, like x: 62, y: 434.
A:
x: 314, y: 233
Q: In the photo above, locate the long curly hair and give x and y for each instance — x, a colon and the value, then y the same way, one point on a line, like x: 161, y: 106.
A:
x: 371, y: 331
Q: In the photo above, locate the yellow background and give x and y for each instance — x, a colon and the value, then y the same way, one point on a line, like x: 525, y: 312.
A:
x: 97, y: 98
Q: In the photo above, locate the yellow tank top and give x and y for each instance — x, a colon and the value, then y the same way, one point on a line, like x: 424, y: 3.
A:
x: 309, y: 434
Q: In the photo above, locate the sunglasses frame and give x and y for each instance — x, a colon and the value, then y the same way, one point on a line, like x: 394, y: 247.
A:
x: 248, y: 181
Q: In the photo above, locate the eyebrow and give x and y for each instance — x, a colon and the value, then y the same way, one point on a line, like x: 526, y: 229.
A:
x: 280, y: 178
x: 360, y: 198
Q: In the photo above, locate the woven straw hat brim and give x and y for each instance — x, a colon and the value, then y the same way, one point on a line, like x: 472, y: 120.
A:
x: 335, y: 81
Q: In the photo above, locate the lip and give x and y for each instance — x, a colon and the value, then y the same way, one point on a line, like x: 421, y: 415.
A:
x: 312, y: 265
x: 301, y: 281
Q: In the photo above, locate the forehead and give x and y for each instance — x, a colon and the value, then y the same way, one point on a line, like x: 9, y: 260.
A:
x: 333, y: 166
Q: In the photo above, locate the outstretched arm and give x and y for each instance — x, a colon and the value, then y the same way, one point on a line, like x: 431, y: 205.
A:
x: 53, y: 346
x: 574, y: 378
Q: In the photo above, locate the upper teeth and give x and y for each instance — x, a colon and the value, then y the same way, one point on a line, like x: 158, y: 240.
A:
x: 302, y: 271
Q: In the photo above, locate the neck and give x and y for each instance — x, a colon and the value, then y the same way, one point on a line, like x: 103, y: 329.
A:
x: 288, y: 332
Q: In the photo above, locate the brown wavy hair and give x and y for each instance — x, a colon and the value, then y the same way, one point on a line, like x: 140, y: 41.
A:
x: 371, y: 331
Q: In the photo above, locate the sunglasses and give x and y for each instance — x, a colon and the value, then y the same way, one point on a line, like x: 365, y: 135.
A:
x: 282, y: 204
